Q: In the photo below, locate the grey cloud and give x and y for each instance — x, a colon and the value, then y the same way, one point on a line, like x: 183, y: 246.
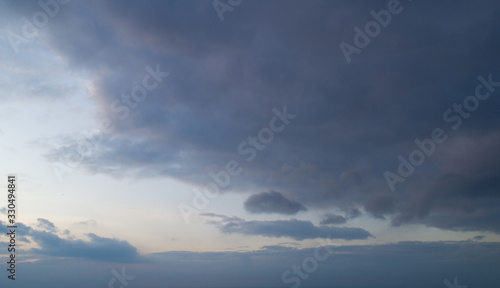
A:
x: 353, y: 213
x: 272, y: 202
x: 295, y: 229
x: 353, y: 119
x: 91, y: 222
x: 46, y: 225
x: 276, y: 248
x: 333, y: 219
x: 467, y: 192
x: 95, y: 248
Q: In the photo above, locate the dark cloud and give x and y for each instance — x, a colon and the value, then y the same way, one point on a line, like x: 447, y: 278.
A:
x: 95, y: 248
x: 353, y: 213
x: 295, y: 229
x: 21, y: 229
x: 272, y: 202
x: 353, y: 120
x: 333, y: 219
x: 478, y: 238
x: 336, y: 219
x: 468, y: 193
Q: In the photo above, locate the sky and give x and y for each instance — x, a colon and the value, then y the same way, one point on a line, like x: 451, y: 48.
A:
x: 239, y: 143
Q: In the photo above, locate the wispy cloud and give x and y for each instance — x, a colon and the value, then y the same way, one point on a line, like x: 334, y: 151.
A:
x: 295, y: 229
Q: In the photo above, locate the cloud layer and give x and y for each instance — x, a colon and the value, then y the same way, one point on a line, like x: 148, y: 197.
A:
x: 295, y: 229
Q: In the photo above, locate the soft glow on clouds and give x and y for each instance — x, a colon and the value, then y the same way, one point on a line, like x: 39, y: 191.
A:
x: 116, y: 113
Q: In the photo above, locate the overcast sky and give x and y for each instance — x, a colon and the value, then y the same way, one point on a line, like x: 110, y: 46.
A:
x: 239, y: 143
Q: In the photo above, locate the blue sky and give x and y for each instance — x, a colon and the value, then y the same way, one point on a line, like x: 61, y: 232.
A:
x: 251, y: 143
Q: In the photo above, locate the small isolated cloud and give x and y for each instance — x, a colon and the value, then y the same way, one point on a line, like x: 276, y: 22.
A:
x: 333, y: 219
x: 46, y: 225
x: 90, y: 222
x: 296, y: 229
x: 3, y: 210
x: 272, y: 202
x: 218, y: 218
